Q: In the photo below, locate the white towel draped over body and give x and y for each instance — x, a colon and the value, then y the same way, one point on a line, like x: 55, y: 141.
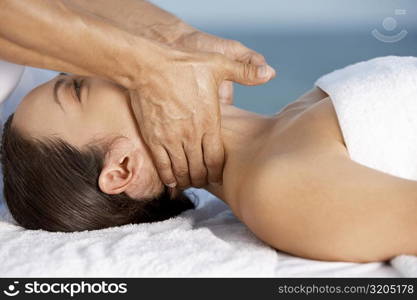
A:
x: 376, y: 104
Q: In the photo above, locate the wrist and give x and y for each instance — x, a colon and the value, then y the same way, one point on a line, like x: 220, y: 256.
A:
x: 166, y: 33
x: 144, y: 60
x: 180, y: 31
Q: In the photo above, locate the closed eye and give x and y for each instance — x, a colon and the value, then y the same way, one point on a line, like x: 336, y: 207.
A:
x: 77, y: 85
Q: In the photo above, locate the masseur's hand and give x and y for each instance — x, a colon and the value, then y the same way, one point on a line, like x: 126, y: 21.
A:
x: 178, y: 112
x: 201, y: 41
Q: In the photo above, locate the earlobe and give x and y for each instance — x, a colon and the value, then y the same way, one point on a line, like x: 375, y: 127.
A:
x: 119, y: 167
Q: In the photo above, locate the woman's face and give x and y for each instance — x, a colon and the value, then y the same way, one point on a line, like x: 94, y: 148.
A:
x: 83, y: 111
x: 78, y: 110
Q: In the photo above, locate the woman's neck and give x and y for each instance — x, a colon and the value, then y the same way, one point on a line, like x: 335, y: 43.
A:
x: 243, y: 132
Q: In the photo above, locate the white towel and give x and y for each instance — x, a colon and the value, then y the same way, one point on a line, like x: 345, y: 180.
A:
x: 206, y: 242
x: 10, y: 75
x: 376, y: 104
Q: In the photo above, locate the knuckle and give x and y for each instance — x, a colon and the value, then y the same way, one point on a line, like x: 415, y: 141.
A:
x: 168, y: 180
x: 260, y: 56
x: 217, y: 58
x: 213, y: 142
x: 159, y: 136
x: 257, y: 59
x: 246, y: 71
x: 154, y: 139
x: 169, y: 139
x: 163, y: 140
x: 217, y: 55
x: 199, y: 174
x: 181, y: 172
x: 189, y: 149
x: 193, y: 146
x: 213, y: 162
x: 163, y: 165
x: 188, y: 136
x: 215, y: 159
x: 234, y: 43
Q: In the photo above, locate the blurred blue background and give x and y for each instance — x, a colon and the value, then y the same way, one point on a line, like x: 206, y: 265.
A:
x: 303, y: 39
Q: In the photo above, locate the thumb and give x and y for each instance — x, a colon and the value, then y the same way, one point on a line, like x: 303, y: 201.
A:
x: 248, y: 74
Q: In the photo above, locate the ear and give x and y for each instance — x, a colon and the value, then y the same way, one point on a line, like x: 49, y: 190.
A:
x: 120, y: 167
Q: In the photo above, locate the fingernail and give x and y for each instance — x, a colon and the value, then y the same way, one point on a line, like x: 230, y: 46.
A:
x: 271, y: 71
x: 172, y: 185
x: 262, y: 71
x: 265, y: 71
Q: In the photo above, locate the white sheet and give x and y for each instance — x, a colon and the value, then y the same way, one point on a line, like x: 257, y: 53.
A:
x: 208, y: 241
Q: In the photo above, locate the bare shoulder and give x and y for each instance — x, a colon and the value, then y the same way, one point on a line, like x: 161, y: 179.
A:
x: 307, y: 99
x: 303, y: 144
x: 318, y: 203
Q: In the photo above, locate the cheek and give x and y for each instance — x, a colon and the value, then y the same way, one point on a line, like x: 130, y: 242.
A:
x: 109, y: 108
x: 106, y: 102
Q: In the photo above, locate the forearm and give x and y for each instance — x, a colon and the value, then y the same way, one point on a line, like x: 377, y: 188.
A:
x: 58, y: 35
x: 139, y: 17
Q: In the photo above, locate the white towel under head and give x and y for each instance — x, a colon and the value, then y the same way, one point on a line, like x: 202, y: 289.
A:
x: 376, y: 105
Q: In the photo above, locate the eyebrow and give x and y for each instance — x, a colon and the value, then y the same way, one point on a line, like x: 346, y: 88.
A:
x: 57, y: 85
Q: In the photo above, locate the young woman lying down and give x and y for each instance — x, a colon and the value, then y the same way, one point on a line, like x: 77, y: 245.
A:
x: 73, y: 159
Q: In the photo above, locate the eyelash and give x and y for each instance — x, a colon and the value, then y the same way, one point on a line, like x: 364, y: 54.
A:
x: 77, y: 88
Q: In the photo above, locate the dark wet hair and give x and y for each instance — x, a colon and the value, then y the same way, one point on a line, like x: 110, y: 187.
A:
x: 52, y: 185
